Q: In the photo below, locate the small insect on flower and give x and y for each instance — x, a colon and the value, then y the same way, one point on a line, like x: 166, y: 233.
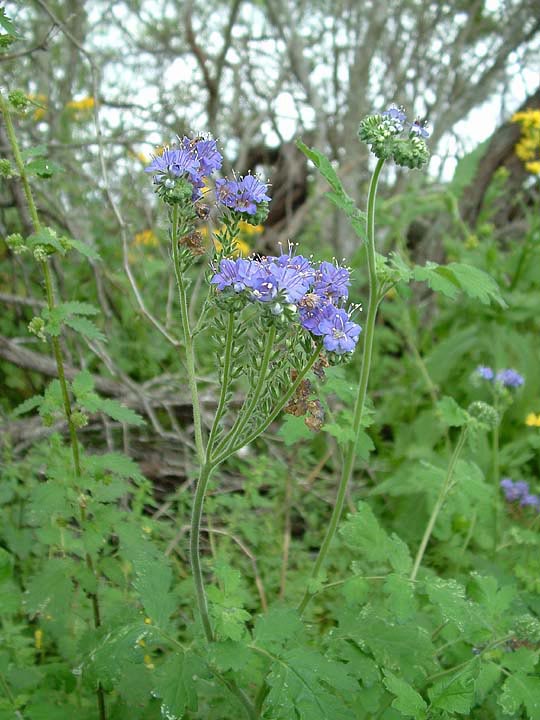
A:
x: 419, y: 128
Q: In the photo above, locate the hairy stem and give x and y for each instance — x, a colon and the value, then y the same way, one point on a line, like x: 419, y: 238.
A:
x: 195, y: 551
x: 225, y: 382
x: 57, y: 351
x: 251, y: 401
x: 447, y: 484
x: 369, y: 332
x: 188, y: 339
x: 275, y: 412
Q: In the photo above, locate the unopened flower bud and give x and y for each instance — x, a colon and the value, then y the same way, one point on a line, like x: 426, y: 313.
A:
x: 37, y: 327
x: 483, y: 412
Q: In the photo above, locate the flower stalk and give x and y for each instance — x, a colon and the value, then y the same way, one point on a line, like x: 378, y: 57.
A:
x: 350, y: 452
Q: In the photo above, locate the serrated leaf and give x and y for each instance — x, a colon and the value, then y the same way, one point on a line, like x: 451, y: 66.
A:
x: 50, y: 590
x: 7, y: 24
x: 454, y: 694
x: 48, y: 237
x: 400, y: 600
x: 152, y: 584
x: 230, y: 655
x: 29, y: 404
x: 82, y: 384
x: 294, y: 429
x: 120, y: 413
x: 116, y: 463
x: 75, y: 307
x: 362, y: 532
x: 407, y: 701
x: 451, y: 413
x: 277, y: 628
x: 518, y: 690
x: 449, y: 597
x: 308, y: 686
x: 85, y: 327
x: 454, y: 278
x: 174, y: 683
x: 337, y: 196
x: 84, y: 249
x: 227, y: 602
x: 43, y: 167
x: 523, y: 659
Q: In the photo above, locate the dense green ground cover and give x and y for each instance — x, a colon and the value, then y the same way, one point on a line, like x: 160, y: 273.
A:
x: 96, y: 591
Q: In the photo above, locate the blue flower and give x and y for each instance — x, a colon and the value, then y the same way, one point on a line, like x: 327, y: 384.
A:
x: 510, y: 378
x: 237, y: 274
x: 485, y: 372
x: 332, y: 281
x: 209, y: 157
x: 293, y: 284
x: 242, y: 195
x: 311, y: 312
x: 530, y: 500
x: 396, y: 116
x: 173, y: 163
x: 419, y: 128
x: 340, y: 335
x: 514, y: 490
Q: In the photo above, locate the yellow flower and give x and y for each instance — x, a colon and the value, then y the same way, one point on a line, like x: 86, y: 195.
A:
x: 242, y: 249
x: 250, y: 230
x: 532, y: 420
x: 40, y: 102
x: 81, y: 105
x: 38, y: 639
x: 148, y: 662
x: 147, y: 621
x: 533, y: 167
x: 527, y: 118
x: 146, y: 237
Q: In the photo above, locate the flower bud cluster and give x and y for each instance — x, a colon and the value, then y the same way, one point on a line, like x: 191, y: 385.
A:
x: 519, y: 491
x: 6, y: 169
x: 390, y: 135
x: 294, y: 287
x: 484, y: 413
x: 16, y: 244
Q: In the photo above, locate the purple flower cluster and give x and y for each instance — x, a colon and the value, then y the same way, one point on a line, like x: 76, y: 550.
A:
x: 519, y: 491
x: 294, y: 281
x: 507, y: 378
x: 242, y: 195
x: 397, y: 118
x: 192, y: 159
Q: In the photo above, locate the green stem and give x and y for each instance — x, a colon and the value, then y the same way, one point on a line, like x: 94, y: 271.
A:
x: 194, y: 549
x: 188, y: 340
x: 57, y: 351
x: 496, y: 472
x: 445, y: 488
x: 225, y: 382
x: 275, y: 412
x: 350, y: 453
x: 251, y: 402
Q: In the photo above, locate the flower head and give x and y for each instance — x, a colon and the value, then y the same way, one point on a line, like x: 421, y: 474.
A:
x: 419, y: 129
x: 510, y: 378
x: 242, y: 195
x: 397, y: 116
x: 514, y: 490
x: 485, y: 372
x: 332, y: 281
x: 340, y: 335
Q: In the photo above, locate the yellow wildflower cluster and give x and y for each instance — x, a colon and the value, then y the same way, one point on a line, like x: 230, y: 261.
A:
x: 528, y: 147
x: 81, y: 105
x: 532, y: 420
x: 147, y: 238
x: 40, y: 103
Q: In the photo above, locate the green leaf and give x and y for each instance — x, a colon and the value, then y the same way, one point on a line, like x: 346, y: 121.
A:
x: 338, y: 196
x: 84, y: 249
x: 278, y: 627
x: 48, y: 237
x: 230, y: 655
x: 294, y: 429
x: 6, y: 565
x: 50, y: 590
x: 152, y: 583
x: 518, y: 690
x: 407, y: 701
x: 454, y: 694
x: 29, y: 404
x: 227, y: 602
x: 115, y: 463
x: 82, y: 384
x: 400, y: 600
x: 450, y: 412
x: 449, y: 597
x: 523, y: 659
x: 43, y: 167
x: 174, y: 683
x: 85, y: 327
x: 363, y: 534
x: 457, y: 277
x: 120, y: 413
x: 75, y: 307
x: 7, y: 24
x: 307, y: 686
